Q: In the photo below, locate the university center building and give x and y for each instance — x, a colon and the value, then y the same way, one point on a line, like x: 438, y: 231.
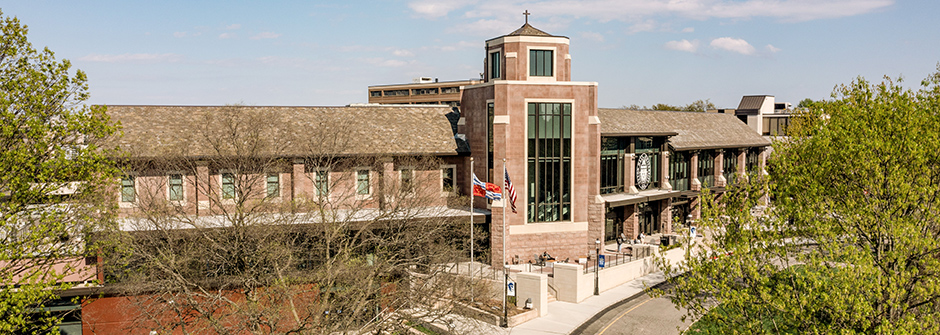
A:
x: 583, y: 173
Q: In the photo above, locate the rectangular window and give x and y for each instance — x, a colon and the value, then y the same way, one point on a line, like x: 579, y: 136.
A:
x: 407, y: 180
x: 375, y: 93
x: 549, y: 162
x: 730, y: 165
x: 228, y: 185
x: 362, y: 182
x: 706, y: 168
x: 612, y: 150
x: 447, y: 179
x: 176, y: 187
x: 679, y: 171
x: 490, y: 115
x: 540, y: 63
x: 321, y: 181
x: 495, y: 70
x: 273, y: 185
x: 753, y: 160
x: 128, y: 189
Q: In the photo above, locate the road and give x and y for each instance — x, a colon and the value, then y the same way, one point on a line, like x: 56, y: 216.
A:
x: 640, y: 314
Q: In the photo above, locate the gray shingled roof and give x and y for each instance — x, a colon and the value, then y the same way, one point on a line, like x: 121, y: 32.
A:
x: 151, y: 131
x: 528, y: 30
x: 695, y: 130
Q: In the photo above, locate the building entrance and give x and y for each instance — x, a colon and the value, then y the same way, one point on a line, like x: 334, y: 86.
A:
x: 613, y: 225
x: 649, y: 218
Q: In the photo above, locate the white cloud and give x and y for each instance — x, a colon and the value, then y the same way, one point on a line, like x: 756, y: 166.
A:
x: 265, y: 35
x: 233, y: 26
x: 637, y: 10
x: 648, y: 25
x: 772, y: 48
x: 590, y: 35
x: 227, y: 35
x: 734, y: 45
x: 683, y: 45
x: 688, y: 30
x: 402, y: 53
x: 141, y: 57
x: 436, y: 8
x: 179, y: 34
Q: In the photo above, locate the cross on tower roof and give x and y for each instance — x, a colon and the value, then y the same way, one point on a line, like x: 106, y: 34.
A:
x: 526, y: 13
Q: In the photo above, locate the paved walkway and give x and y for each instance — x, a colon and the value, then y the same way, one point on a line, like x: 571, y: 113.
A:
x: 565, y: 317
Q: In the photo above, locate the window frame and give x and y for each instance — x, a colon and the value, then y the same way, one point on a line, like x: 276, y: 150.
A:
x: 169, y: 186
x: 533, y: 65
x: 407, y: 184
x: 453, y: 179
x: 495, y: 68
x: 267, y: 185
x: 234, y: 184
x: 368, y: 182
x: 133, y: 186
x: 324, y: 189
x: 533, y: 172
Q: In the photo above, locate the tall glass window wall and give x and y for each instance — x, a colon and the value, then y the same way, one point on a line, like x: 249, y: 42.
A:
x: 753, y: 160
x: 679, y: 170
x: 648, y: 162
x: 549, y: 162
x: 612, y: 150
x: 706, y: 168
x: 730, y: 165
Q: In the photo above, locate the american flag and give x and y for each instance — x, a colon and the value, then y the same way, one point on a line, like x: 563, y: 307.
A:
x: 510, y: 191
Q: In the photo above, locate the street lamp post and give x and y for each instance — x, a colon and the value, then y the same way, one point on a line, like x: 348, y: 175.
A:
x: 597, y: 263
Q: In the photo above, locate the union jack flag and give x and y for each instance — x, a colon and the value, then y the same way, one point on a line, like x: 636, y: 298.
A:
x: 511, y: 192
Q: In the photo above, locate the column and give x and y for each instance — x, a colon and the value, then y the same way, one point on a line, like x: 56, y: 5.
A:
x: 629, y: 173
x: 664, y: 172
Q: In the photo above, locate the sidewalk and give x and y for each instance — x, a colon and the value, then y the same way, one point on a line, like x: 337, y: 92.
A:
x: 565, y: 317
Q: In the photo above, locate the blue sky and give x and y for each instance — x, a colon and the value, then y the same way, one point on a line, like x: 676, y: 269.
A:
x: 326, y: 53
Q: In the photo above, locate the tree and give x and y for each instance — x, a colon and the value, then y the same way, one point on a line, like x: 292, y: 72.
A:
x: 52, y: 171
x: 700, y: 106
x: 849, y: 244
x: 239, y: 257
x: 805, y: 103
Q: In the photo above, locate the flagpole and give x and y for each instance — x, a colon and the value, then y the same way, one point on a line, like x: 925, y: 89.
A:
x: 505, y: 275
x: 470, y: 267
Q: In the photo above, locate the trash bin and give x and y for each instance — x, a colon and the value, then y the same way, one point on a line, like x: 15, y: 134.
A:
x: 664, y: 241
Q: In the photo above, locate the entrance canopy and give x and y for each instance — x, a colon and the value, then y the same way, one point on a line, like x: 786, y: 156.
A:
x: 623, y: 199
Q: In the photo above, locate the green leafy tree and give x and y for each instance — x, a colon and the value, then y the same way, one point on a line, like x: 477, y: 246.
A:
x: 51, y: 178
x: 850, y: 243
x: 805, y: 103
x: 699, y: 106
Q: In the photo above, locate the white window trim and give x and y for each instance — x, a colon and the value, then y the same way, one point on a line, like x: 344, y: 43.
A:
x: 222, y: 198
x: 453, y: 180
x: 316, y: 190
x: 280, y: 185
x: 120, y: 196
x: 523, y: 192
x: 414, y: 174
x: 167, y: 188
x: 528, y: 65
x: 371, y: 184
x: 489, y: 67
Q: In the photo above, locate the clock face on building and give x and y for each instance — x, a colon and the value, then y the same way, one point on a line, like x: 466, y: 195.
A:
x: 643, y: 171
